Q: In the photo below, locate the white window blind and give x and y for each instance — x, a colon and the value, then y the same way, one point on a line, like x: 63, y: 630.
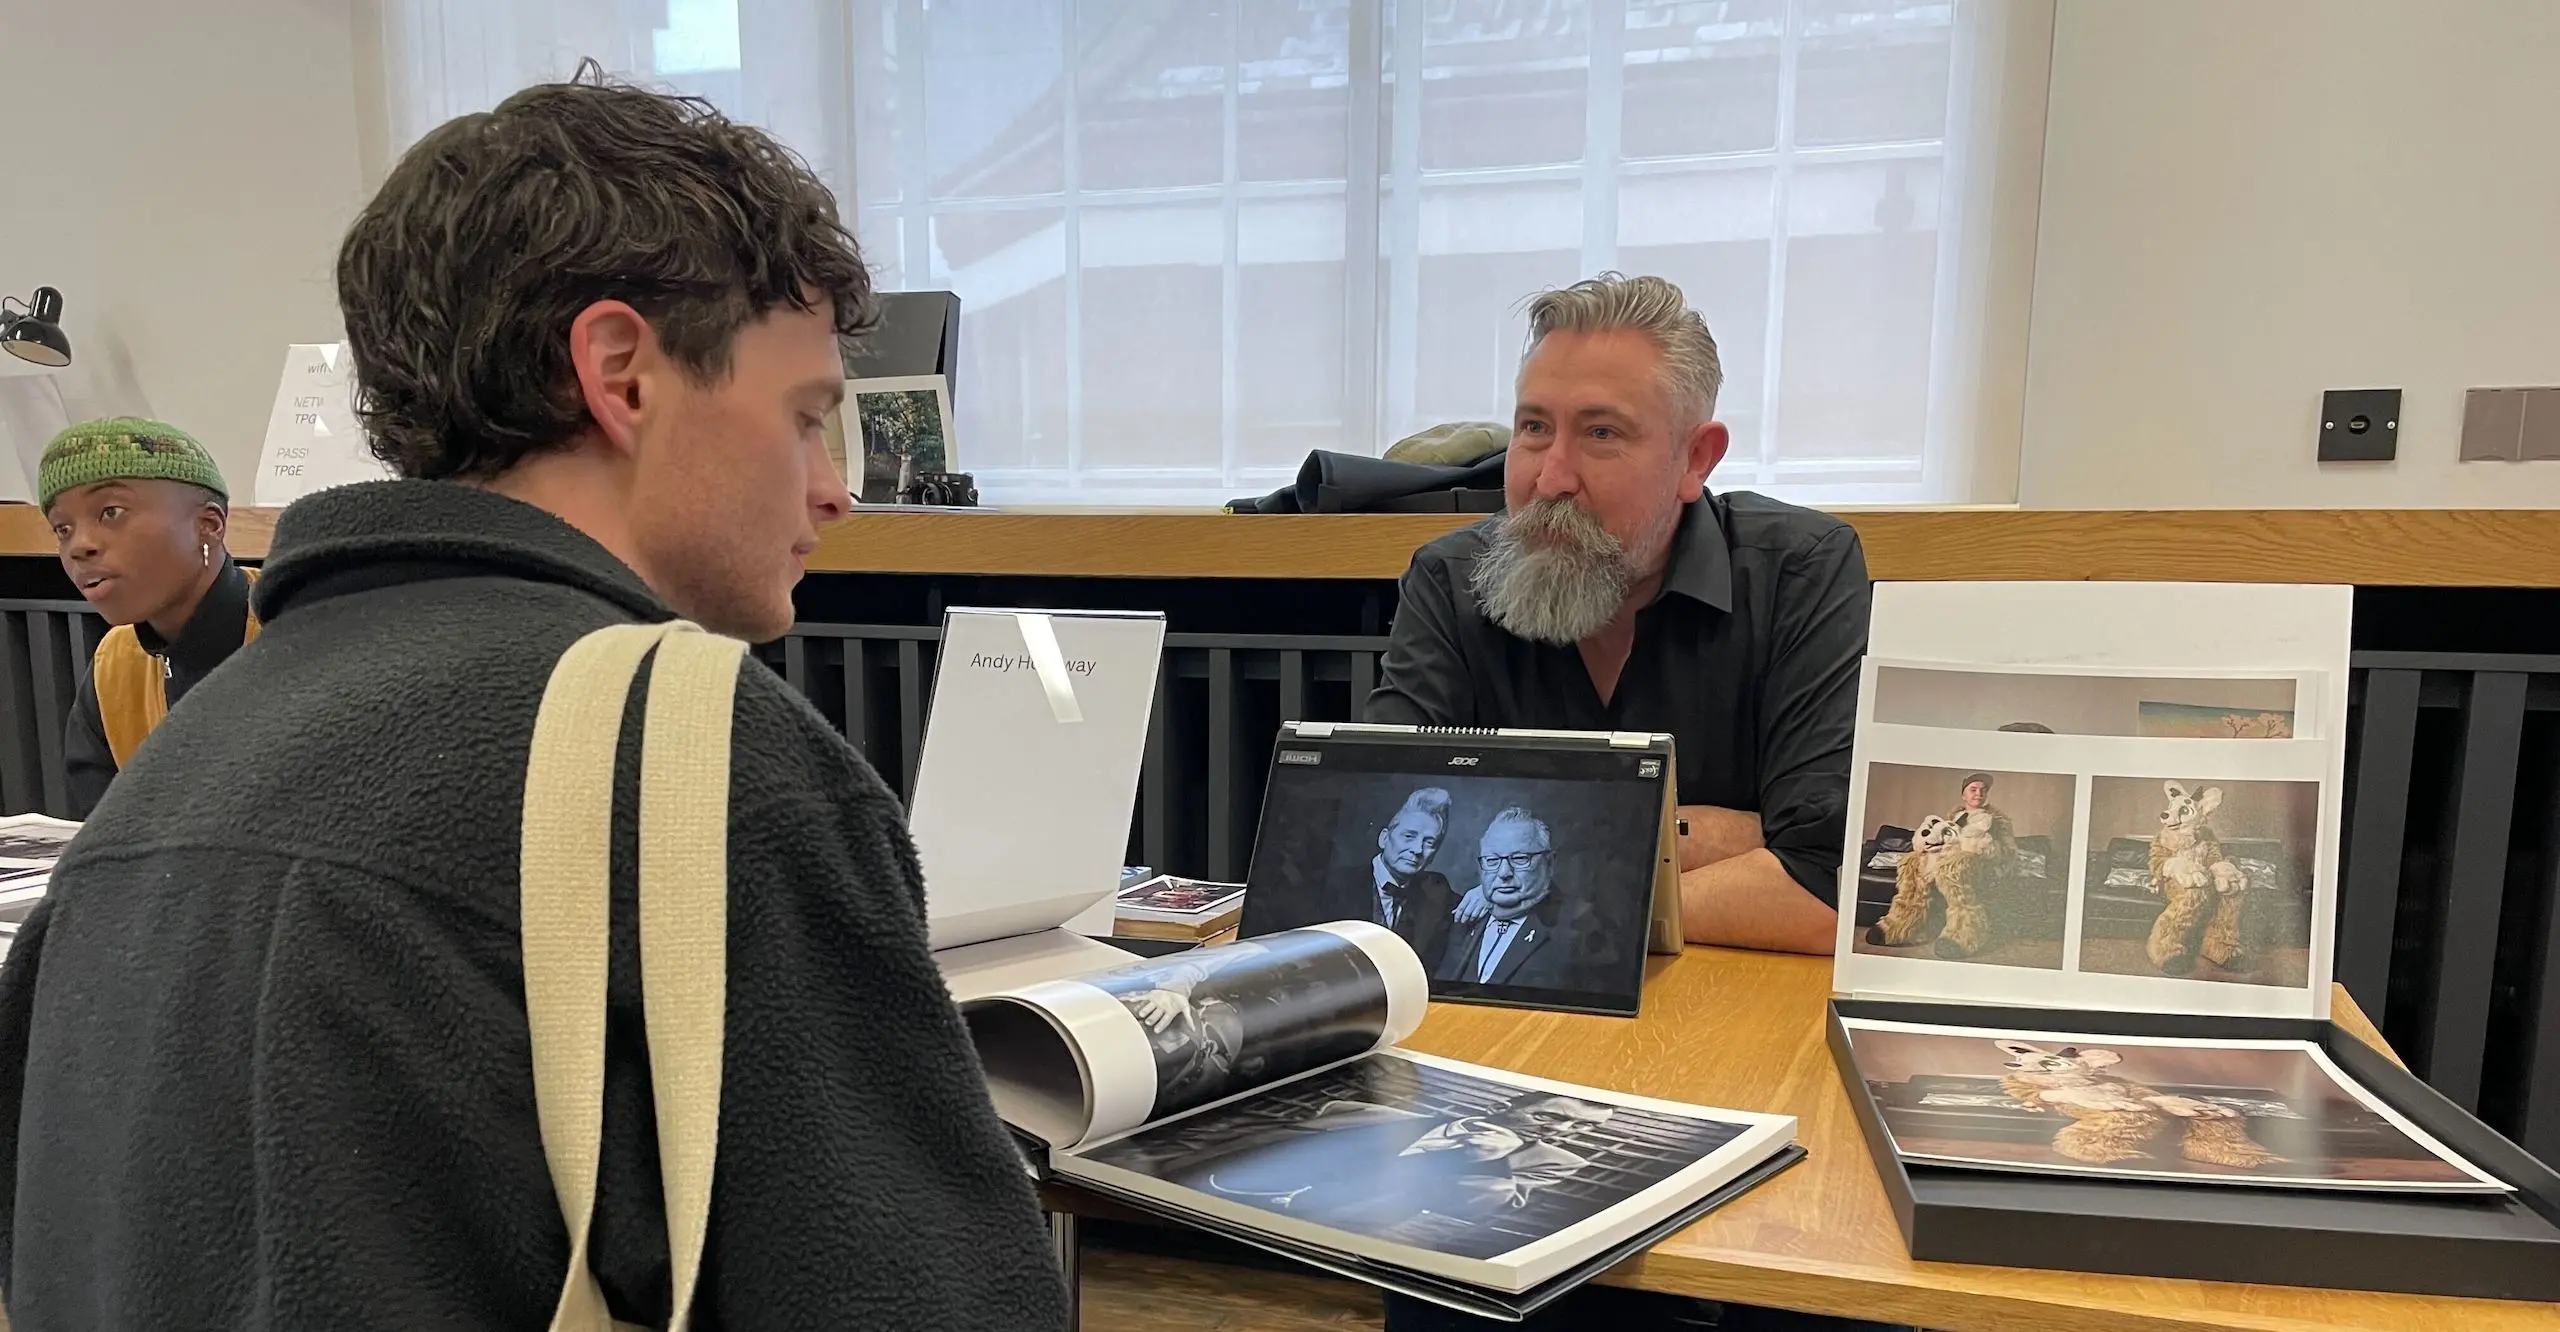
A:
x: 1195, y: 240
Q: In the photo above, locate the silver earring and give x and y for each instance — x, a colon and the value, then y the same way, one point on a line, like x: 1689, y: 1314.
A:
x: 207, y: 548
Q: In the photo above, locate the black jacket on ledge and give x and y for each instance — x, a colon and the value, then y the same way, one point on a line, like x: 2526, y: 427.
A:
x: 263, y: 1059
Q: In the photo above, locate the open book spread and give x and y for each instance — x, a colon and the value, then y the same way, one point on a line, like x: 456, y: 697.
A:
x: 29, y: 845
x: 1253, y: 1089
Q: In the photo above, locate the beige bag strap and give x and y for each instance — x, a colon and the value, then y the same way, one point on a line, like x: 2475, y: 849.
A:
x: 567, y: 912
x: 684, y: 926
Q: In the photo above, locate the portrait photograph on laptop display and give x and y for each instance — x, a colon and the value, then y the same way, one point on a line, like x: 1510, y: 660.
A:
x: 1520, y: 870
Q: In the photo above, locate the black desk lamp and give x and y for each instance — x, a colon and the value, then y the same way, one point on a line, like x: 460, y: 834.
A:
x: 34, y: 332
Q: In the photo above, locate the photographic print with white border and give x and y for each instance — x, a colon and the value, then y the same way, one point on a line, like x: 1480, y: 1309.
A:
x: 2273, y: 1113
x: 1964, y: 865
x: 2226, y: 762
x: 883, y: 468
x: 2209, y: 880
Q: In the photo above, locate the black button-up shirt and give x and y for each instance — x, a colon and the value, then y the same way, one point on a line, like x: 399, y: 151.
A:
x: 1748, y: 657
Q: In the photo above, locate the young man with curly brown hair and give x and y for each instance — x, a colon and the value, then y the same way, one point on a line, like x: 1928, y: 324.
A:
x: 263, y: 1055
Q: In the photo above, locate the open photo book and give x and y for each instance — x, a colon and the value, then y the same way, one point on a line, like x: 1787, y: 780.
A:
x: 29, y: 846
x: 1253, y: 1089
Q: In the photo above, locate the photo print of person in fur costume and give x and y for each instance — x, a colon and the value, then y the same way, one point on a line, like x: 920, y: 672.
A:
x: 2200, y: 879
x: 1962, y: 865
x: 2147, y: 1107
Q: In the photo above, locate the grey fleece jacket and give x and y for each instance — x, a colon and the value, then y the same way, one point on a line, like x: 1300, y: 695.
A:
x: 263, y: 1058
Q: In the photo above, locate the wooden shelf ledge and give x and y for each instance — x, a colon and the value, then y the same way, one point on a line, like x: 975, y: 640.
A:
x: 2374, y: 547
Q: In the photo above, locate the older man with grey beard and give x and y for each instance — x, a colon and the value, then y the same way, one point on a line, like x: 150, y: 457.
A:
x: 1617, y: 594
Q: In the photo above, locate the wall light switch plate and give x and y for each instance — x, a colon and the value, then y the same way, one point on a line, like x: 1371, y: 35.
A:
x: 2493, y: 424
x: 2359, y: 425
x: 2540, y: 431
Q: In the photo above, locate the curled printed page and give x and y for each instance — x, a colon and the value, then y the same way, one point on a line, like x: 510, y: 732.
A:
x: 1076, y: 1061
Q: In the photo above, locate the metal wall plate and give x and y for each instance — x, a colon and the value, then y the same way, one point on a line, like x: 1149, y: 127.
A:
x: 2492, y: 424
x: 2359, y: 425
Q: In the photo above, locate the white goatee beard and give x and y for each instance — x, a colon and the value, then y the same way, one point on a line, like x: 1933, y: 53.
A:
x: 1560, y: 591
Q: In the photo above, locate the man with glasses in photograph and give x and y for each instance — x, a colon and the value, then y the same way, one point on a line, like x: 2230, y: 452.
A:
x: 1526, y: 937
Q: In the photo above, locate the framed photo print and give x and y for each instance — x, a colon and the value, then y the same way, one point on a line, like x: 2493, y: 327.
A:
x: 898, y: 429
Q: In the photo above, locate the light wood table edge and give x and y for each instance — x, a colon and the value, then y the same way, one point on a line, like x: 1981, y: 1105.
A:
x: 2369, y: 547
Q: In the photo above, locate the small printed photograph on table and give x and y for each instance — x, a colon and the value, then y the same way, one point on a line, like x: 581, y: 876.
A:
x: 1311, y: 999
x: 1965, y: 865
x: 904, y: 425
x: 1417, y: 1154
x: 2232, y: 1112
x: 2053, y: 703
x: 2200, y: 879
x: 1500, y: 884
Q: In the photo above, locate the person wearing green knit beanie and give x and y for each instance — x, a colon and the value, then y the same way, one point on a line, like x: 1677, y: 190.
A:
x: 139, y: 512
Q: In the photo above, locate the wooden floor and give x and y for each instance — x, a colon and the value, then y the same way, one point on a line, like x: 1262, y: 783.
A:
x: 1129, y: 1291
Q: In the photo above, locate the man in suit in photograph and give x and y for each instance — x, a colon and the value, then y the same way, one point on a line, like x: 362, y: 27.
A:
x: 1398, y: 888
x: 1371, y: 1168
x: 1526, y: 937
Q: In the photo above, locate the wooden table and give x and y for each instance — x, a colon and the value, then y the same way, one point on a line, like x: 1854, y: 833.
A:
x: 1745, y: 1030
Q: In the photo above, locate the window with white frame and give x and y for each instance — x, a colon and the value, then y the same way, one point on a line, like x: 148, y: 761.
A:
x: 1196, y: 239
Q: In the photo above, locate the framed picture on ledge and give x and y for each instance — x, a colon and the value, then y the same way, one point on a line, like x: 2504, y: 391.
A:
x: 904, y: 428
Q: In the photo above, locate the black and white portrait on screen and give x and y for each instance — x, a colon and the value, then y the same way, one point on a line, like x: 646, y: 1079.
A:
x: 1418, y: 1154
x: 1537, y: 883
x: 1398, y: 887
x: 1219, y: 1020
x: 1517, y: 930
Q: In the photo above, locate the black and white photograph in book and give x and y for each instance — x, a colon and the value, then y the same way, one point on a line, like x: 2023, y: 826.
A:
x: 1965, y: 865
x: 1519, y: 883
x: 1219, y: 1020
x: 2207, y: 880
x: 36, y: 847
x: 1415, y: 1154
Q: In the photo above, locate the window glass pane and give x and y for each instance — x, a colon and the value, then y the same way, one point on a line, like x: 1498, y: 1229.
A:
x: 882, y: 236
x: 1701, y: 78
x: 1503, y: 82
x: 1293, y: 95
x: 886, y: 127
x: 1872, y: 72
x: 1484, y: 248
x: 1146, y: 207
x: 1709, y: 232
x: 1289, y: 327
x: 1010, y: 396
x: 1862, y: 259
x: 1152, y: 345
x: 994, y: 104
x: 1151, y: 92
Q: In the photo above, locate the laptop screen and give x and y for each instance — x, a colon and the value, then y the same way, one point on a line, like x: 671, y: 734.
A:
x: 1521, y: 870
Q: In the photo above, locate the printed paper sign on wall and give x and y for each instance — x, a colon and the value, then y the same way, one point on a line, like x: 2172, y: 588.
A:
x: 313, y: 441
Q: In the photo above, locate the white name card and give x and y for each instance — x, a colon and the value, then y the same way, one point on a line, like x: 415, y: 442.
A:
x: 1030, y: 769
x: 313, y: 441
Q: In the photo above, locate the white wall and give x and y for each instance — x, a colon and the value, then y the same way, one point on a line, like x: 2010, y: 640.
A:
x: 186, y: 192
x: 2245, y: 204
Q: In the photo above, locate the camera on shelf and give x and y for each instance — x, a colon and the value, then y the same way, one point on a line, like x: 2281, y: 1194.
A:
x: 951, y: 490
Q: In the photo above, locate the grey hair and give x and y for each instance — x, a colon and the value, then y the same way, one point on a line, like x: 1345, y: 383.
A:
x: 1516, y: 814
x: 1431, y: 802
x: 1691, y: 371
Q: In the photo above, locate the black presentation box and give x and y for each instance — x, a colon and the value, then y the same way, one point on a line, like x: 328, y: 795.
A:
x: 2490, y: 1246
